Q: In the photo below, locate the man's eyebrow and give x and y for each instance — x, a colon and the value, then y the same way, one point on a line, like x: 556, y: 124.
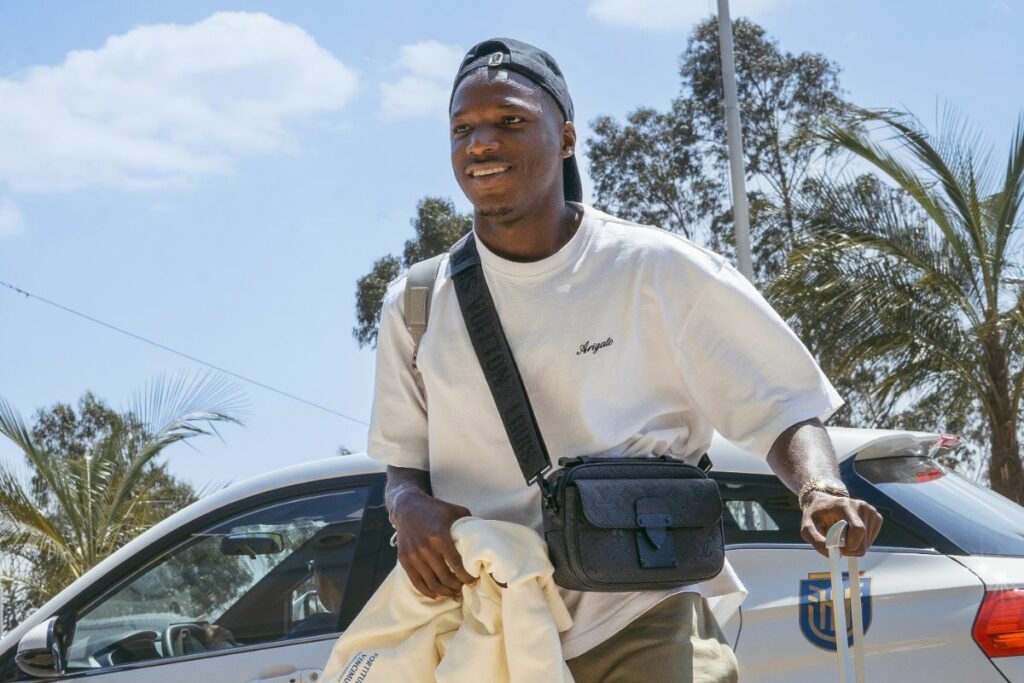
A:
x: 507, y: 104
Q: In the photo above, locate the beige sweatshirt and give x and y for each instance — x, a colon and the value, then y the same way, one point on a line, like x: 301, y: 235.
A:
x: 496, y: 634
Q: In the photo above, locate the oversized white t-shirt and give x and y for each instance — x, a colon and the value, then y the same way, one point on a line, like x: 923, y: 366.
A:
x: 631, y: 341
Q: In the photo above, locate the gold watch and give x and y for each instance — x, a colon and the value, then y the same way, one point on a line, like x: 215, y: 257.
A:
x: 833, y: 487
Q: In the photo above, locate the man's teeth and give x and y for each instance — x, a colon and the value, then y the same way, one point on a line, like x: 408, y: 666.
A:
x: 489, y: 171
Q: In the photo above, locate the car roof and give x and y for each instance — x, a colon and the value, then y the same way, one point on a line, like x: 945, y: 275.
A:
x: 725, y: 456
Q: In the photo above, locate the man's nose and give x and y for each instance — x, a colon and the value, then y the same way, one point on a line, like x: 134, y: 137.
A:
x: 481, y: 142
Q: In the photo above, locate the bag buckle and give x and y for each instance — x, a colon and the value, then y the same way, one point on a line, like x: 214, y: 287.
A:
x: 653, y: 540
x: 547, y: 491
x: 656, y: 526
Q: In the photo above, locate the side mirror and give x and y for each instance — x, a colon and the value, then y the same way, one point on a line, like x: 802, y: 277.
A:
x: 252, y: 544
x: 41, y: 651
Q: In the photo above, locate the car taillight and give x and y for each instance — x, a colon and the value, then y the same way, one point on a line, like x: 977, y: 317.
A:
x: 929, y: 474
x: 999, y: 627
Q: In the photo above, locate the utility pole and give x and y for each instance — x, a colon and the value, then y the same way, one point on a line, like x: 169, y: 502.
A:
x: 734, y: 136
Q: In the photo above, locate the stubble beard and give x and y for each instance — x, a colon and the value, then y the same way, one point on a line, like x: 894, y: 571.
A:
x: 496, y: 212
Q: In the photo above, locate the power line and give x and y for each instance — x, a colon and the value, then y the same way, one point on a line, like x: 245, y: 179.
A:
x: 158, y: 345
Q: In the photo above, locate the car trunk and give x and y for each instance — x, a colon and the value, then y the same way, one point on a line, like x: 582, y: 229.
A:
x: 986, y: 533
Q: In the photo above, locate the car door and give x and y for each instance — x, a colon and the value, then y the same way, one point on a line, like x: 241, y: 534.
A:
x: 257, y: 592
x: 918, y: 603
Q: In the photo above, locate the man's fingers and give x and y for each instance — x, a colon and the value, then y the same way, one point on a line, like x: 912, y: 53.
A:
x: 810, y: 533
x: 434, y: 588
x: 423, y: 577
x: 412, y: 570
x: 454, y: 560
x: 856, y: 534
x: 451, y: 584
x: 874, y: 525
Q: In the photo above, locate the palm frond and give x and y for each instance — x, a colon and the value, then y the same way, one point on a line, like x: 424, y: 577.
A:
x: 1006, y: 203
x: 100, y: 501
x: 849, y: 222
x: 854, y: 138
x: 175, y: 410
x: 184, y: 400
x: 23, y: 517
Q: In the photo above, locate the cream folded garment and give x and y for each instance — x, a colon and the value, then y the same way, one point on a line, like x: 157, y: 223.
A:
x: 496, y: 634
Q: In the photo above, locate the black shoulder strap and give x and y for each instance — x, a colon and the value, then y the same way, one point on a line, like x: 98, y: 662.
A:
x: 495, y: 356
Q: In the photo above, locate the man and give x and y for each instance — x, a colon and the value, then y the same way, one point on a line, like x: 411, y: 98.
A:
x: 630, y: 341
x: 332, y: 560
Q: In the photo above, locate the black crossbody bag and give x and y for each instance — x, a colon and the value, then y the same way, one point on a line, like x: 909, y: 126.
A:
x: 611, y: 524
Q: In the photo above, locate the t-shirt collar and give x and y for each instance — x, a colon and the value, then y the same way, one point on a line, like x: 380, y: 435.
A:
x: 569, y: 252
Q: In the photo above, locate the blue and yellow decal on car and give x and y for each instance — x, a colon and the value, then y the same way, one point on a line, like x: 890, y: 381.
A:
x: 817, y: 619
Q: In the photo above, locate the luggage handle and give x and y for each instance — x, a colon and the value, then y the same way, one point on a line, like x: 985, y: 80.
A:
x: 834, y: 540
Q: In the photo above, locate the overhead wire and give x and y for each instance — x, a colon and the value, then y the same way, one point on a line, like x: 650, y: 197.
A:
x: 182, y: 354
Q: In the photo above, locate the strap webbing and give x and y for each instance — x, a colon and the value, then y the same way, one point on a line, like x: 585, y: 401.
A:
x: 419, y: 288
x: 496, y: 361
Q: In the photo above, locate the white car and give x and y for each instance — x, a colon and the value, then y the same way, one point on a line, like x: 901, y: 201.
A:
x: 255, y: 582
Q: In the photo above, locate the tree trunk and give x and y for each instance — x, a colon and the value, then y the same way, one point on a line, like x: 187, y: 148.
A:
x: 1004, y: 470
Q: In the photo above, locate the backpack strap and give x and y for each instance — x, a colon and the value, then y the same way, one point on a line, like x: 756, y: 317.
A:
x: 419, y: 289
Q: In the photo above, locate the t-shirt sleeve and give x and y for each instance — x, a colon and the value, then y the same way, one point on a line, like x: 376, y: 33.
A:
x: 745, y: 368
x: 398, y: 419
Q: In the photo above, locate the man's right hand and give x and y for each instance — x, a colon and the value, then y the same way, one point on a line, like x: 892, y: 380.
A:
x: 426, y: 549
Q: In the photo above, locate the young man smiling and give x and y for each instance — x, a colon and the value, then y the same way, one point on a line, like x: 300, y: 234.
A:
x: 677, y: 344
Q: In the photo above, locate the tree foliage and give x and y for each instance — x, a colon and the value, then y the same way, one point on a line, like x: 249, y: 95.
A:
x: 650, y: 170
x: 437, y: 227
x: 918, y: 287
x: 94, y: 480
x: 671, y: 169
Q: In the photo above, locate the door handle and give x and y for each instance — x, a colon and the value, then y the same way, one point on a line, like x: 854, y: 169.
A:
x: 284, y: 675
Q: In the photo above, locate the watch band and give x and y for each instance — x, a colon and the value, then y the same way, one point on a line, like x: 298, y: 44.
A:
x: 833, y: 487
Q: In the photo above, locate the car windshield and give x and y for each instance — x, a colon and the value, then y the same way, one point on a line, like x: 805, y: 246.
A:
x: 975, y: 518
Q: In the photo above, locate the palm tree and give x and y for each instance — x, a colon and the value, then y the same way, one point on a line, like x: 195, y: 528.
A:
x: 97, y: 503
x: 928, y: 298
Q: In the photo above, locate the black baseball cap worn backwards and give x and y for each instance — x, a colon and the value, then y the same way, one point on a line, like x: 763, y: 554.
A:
x: 539, y: 67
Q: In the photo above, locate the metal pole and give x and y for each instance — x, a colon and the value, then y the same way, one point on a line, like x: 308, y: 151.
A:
x: 734, y: 136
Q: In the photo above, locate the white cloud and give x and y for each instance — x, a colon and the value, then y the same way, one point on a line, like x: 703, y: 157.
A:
x: 431, y: 59
x: 10, y: 218
x: 165, y: 103
x: 429, y: 68
x: 669, y: 14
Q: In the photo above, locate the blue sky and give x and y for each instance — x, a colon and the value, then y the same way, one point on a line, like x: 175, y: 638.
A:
x: 217, y: 175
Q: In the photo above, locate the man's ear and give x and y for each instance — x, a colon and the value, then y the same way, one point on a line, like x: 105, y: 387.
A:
x: 568, y: 139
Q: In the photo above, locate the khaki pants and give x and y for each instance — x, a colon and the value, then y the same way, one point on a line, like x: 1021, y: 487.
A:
x: 678, y: 641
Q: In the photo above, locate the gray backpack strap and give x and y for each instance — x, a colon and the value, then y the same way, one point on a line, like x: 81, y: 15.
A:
x: 419, y: 288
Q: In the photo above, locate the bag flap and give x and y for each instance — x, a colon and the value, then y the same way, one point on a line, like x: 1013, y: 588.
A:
x: 612, y: 503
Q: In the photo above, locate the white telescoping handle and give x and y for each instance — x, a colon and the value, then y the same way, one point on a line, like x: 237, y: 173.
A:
x: 834, y: 540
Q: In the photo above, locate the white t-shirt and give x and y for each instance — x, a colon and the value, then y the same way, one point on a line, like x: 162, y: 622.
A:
x: 631, y: 341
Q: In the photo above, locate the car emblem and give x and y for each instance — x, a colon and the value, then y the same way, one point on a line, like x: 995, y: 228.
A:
x: 817, y: 621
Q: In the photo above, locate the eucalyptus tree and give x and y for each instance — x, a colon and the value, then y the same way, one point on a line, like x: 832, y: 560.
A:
x: 670, y: 168
x: 437, y: 225
x: 922, y: 291
x: 75, y: 507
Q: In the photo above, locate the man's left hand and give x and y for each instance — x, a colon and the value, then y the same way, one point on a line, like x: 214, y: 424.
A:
x: 822, y: 510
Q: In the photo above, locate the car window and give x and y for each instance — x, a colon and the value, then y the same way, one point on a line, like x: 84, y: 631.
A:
x: 750, y: 515
x: 975, y: 518
x: 269, y: 574
x: 760, y: 509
